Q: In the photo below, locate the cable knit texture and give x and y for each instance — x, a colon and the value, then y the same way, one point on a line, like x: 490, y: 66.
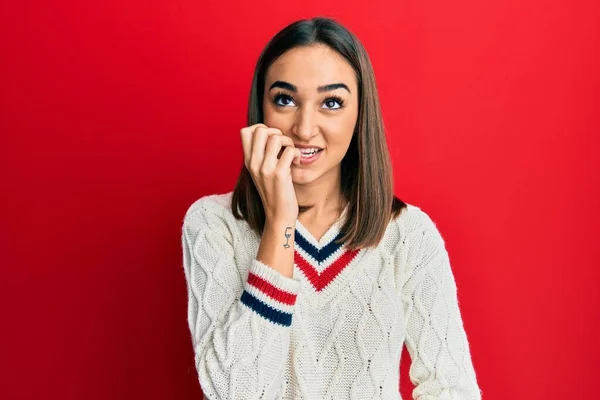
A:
x: 336, y: 329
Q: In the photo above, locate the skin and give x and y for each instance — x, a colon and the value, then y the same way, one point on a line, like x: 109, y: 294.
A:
x: 310, y: 117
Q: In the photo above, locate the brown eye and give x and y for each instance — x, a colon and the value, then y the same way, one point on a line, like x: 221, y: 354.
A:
x: 282, y: 100
x: 331, y: 103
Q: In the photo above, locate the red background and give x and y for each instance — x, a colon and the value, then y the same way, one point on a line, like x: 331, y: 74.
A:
x: 116, y: 116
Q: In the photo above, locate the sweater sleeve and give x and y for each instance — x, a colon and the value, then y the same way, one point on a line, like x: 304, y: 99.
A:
x: 239, y: 318
x: 441, y: 366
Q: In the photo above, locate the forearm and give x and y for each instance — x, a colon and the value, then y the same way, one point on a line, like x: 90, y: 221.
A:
x: 276, y: 247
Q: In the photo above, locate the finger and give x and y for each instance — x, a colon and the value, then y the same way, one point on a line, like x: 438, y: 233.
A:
x: 259, y: 141
x: 297, y: 154
x: 272, y: 151
x: 288, y: 156
x: 246, y: 137
x: 275, y: 146
x: 286, y: 141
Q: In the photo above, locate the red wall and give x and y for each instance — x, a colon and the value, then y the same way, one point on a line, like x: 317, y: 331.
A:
x: 115, y: 117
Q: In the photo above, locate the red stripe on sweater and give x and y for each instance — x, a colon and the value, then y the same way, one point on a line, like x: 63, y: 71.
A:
x: 320, y: 281
x: 272, y: 291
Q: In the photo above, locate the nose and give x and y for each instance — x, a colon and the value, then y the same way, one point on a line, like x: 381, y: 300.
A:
x: 305, y: 126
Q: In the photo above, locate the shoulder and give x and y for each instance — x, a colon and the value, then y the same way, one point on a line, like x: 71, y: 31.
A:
x: 408, y: 231
x: 208, y: 207
x: 413, y: 219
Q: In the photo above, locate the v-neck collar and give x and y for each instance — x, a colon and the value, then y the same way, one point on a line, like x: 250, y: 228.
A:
x: 328, y: 237
x: 324, y: 264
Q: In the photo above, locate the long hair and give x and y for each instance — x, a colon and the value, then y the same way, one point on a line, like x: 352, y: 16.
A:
x: 366, y: 169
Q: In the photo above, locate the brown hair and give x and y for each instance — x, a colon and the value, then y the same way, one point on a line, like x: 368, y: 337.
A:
x: 366, y: 169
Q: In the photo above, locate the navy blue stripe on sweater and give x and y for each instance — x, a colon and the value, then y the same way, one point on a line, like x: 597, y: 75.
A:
x: 318, y: 255
x: 266, y: 311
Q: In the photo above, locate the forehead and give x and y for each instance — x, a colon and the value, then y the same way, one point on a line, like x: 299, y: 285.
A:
x: 311, y: 66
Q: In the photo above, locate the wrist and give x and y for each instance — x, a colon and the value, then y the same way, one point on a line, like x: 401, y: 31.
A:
x: 281, y: 222
x: 280, y: 231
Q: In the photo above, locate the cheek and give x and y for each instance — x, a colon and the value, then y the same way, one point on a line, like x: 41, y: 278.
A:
x: 340, y: 130
x: 271, y: 117
x: 266, y: 112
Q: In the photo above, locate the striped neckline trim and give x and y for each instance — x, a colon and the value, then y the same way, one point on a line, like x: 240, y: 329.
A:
x: 321, y: 261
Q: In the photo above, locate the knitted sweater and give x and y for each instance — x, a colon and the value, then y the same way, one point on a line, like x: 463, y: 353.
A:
x: 336, y: 329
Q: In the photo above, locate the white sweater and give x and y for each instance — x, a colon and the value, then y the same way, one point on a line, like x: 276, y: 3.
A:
x: 336, y: 329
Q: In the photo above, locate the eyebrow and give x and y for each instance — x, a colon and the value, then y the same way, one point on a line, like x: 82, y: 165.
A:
x: 320, y: 89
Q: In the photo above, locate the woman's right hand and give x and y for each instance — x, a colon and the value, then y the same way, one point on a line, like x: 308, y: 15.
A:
x: 272, y: 176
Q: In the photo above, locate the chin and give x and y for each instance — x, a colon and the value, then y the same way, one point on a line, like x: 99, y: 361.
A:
x: 301, y: 175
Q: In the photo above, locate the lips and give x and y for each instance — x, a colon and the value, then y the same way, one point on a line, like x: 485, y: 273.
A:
x: 308, y: 159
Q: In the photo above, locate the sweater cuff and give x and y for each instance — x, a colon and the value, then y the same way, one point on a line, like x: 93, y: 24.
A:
x: 270, y: 294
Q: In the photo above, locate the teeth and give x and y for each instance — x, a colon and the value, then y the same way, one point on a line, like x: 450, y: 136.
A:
x: 309, y: 152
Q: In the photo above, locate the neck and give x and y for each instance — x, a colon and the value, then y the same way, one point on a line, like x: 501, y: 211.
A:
x: 324, y: 195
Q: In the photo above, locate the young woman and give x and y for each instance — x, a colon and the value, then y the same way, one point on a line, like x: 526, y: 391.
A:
x: 306, y: 280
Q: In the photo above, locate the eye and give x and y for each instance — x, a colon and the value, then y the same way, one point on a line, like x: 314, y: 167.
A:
x: 282, y: 99
x: 285, y: 100
x: 330, y: 102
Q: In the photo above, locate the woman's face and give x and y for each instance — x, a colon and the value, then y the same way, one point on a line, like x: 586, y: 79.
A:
x: 311, y: 96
